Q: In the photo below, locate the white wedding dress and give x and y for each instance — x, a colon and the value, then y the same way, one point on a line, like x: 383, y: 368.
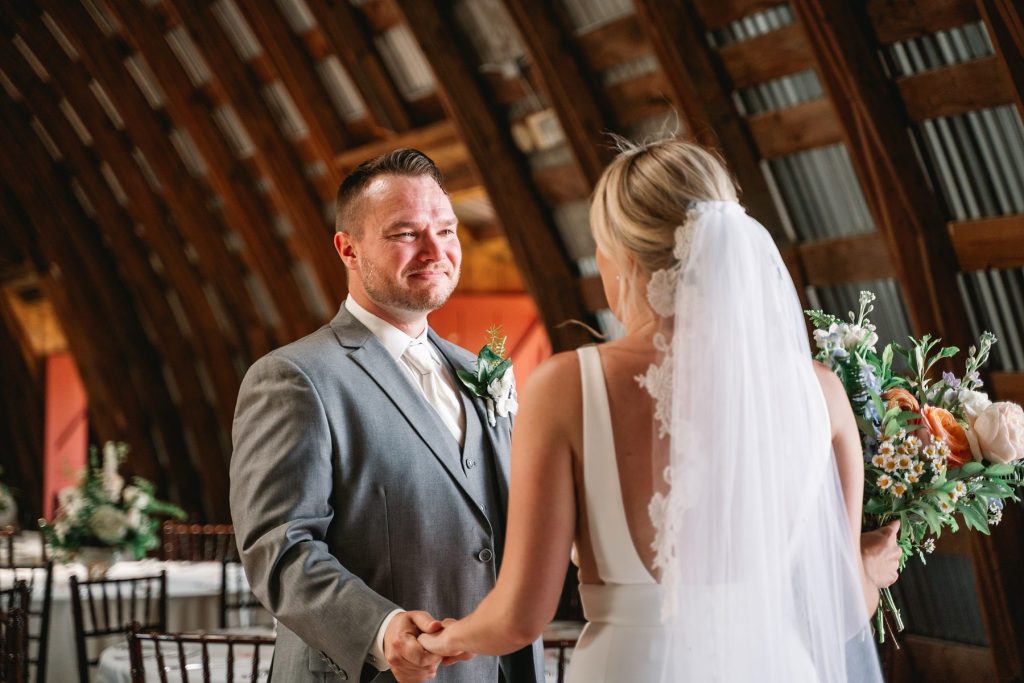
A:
x: 624, y: 639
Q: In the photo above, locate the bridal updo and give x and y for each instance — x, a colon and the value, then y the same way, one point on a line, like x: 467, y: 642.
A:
x: 643, y: 196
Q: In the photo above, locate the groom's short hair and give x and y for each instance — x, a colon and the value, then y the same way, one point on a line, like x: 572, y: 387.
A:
x: 403, y: 162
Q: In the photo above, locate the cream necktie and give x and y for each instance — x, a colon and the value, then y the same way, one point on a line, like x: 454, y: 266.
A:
x: 436, y: 391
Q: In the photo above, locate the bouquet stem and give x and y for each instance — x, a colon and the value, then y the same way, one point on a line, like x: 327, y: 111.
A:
x: 887, y: 604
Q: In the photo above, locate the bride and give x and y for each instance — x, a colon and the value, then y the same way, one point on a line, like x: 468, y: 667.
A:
x: 705, y: 473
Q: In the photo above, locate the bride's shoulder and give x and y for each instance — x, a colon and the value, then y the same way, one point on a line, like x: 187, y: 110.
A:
x: 557, y: 370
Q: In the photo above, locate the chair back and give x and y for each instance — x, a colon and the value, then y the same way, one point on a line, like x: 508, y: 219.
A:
x: 9, y: 552
x: 110, y: 606
x: 238, y: 605
x: 38, y: 579
x: 243, y: 657
x: 198, y: 542
x: 14, y: 633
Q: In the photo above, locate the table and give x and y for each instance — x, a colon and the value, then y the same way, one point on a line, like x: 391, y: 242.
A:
x: 193, y: 590
x: 115, y: 664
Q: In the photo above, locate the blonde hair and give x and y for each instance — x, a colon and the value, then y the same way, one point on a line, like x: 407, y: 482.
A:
x: 644, y: 195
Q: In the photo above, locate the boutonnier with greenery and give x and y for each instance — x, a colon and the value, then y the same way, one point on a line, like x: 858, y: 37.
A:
x: 493, y: 381
x: 935, y: 451
x: 101, y: 512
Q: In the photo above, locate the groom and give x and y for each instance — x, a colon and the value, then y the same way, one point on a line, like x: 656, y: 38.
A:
x: 368, y: 490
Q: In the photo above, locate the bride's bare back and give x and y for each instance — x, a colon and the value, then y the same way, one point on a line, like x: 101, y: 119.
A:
x: 631, y: 410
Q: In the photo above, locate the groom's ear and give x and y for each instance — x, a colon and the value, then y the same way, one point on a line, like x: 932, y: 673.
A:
x: 345, y: 245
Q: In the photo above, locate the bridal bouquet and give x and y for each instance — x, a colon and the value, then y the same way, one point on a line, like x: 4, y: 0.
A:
x: 937, y: 452
x: 101, y: 512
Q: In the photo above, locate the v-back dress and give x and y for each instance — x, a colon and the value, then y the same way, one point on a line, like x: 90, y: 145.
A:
x: 623, y: 639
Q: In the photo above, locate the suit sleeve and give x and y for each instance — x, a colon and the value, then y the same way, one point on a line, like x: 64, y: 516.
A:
x: 281, y: 481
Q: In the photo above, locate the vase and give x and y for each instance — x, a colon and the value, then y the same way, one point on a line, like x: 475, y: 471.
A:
x: 97, y: 560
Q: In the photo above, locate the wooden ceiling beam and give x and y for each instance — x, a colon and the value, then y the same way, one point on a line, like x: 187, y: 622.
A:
x: 620, y: 40
x: 989, y: 243
x: 956, y: 90
x: 95, y: 297
x: 766, y: 57
x: 799, y: 128
x: 1004, y: 20
x: 566, y: 83
x: 290, y: 62
x: 233, y: 181
x: 899, y: 20
x: 71, y: 80
x: 150, y: 295
x: 186, y: 197
x: 719, y: 13
x: 349, y: 34
x: 236, y: 84
x: 700, y: 90
x: 912, y: 219
x: 532, y: 235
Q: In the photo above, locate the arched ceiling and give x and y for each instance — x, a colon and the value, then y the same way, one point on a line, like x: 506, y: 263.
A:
x: 170, y: 169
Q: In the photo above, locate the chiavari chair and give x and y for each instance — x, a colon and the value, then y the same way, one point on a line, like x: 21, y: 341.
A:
x: 14, y: 633
x: 198, y: 542
x: 107, y: 607
x: 245, y: 656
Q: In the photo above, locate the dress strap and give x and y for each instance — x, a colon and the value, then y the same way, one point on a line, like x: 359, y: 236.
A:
x: 616, y: 556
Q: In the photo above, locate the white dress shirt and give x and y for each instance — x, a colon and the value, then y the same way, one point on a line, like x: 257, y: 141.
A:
x: 396, y: 342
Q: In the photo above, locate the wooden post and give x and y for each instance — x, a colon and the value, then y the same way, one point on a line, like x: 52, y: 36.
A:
x: 1005, y: 24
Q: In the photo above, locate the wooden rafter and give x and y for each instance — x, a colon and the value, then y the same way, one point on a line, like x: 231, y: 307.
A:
x: 71, y: 80
x: 149, y: 293
x: 565, y: 80
x: 184, y: 195
x: 233, y: 180
x: 235, y: 83
x: 531, y: 233
x: 289, y: 61
x: 1005, y: 22
x: 701, y: 94
x: 347, y: 32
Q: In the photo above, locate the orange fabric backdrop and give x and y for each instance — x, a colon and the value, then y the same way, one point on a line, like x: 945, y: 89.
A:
x: 66, y: 432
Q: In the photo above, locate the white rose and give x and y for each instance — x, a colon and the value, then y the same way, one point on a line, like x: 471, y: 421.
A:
x: 135, y: 518
x: 60, y: 529
x: 130, y: 493
x: 108, y: 524
x: 974, y: 403
x: 1000, y: 432
x: 70, y: 501
x: 504, y: 394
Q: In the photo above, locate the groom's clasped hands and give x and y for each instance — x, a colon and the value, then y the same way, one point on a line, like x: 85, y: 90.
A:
x: 415, y: 646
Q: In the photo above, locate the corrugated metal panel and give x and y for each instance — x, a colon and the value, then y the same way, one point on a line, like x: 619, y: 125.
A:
x: 490, y: 30
x: 995, y: 300
x: 405, y: 61
x: 821, y: 194
x: 752, y: 25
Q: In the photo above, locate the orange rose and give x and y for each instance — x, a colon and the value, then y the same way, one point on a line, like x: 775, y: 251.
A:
x: 943, y: 425
x: 902, y: 399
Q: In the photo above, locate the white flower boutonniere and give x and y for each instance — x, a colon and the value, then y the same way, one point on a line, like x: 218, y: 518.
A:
x: 494, y: 381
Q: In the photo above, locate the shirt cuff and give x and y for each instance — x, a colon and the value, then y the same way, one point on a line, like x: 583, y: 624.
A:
x: 376, y: 653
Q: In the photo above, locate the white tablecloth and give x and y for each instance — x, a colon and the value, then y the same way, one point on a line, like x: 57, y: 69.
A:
x: 192, y: 591
x: 115, y: 663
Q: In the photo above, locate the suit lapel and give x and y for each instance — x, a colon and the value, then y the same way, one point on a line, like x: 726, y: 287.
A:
x: 371, y: 356
x: 497, y: 436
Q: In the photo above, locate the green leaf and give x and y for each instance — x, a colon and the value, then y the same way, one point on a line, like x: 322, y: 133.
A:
x: 1000, y: 470
x: 975, y: 520
x: 497, y: 371
x: 468, y: 379
x: 488, y: 355
x: 875, y: 506
x: 969, y: 469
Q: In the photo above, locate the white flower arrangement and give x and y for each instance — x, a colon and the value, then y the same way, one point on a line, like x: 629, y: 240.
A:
x: 494, y: 380
x: 102, y: 512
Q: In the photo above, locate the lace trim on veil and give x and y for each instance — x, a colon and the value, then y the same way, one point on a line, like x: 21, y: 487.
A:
x: 667, y: 301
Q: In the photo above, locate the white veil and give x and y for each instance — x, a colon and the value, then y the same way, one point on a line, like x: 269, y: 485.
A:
x: 758, y: 567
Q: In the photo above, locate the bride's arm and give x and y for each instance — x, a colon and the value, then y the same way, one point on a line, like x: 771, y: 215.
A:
x: 850, y: 463
x: 541, y: 520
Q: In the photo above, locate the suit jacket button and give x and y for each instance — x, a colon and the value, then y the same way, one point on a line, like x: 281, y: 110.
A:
x: 485, y: 555
x: 470, y: 464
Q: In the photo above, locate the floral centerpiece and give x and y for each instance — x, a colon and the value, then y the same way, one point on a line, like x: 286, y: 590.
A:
x: 101, y: 517
x: 937, y: 452
x: 8, y: 508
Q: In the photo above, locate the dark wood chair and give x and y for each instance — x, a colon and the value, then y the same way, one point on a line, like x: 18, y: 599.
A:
x: 38, y: 578
x: 235, y: 596
x: 111, y: 606
x: 198, y: 542
x: 14, y: 633
x: 244, y: 654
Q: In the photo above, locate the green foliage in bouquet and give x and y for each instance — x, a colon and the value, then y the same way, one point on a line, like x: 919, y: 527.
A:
x: 935, y: 451
x: 102, y: 512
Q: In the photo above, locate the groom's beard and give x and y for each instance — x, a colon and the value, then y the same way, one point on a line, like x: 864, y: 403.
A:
x: 388, y: 293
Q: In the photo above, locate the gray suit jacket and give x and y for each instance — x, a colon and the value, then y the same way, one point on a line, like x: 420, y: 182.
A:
x: 349, y: 500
